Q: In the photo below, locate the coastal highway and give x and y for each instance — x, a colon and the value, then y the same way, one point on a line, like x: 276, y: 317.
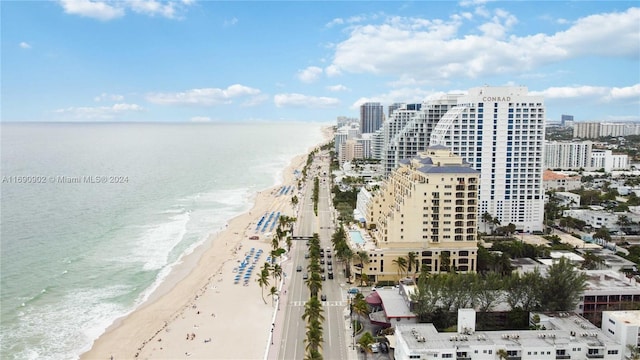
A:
x: 294, y: 331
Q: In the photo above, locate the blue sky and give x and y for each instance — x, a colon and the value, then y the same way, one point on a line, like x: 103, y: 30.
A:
x: 188, y: 60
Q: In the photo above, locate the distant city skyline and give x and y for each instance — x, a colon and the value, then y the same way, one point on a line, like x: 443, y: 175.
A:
x: 208, y: 61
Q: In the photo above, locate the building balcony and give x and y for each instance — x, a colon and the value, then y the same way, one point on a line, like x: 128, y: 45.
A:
x: 595, y: 356
x: 567, y: 356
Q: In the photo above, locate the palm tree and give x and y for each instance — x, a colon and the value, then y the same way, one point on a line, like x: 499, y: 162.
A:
x: 502, y: 354
x: 263, y: 280
x: 401, y: 264
x: 314, y: 338
x: 412, y: 259
x: 276, y: 271
x: 273, y: 292
x: 363, y: 256
x: 312, y: 310
x: 634, y: 352
x: 360, y: 305
x: 314, y: 283
x: 486, y: 219
x: 365, y: 340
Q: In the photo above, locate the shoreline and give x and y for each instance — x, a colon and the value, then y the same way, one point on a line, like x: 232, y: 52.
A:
x: 198, y: 299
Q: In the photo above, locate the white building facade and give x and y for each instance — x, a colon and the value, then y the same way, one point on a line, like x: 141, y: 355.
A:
x: 414, y: 136
x: 567, y: 155
x: 500, y: 131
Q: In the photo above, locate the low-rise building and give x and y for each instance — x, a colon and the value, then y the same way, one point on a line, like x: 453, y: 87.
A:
x: 556, y: 181
x: 622, y: 326
x: 567, y: 336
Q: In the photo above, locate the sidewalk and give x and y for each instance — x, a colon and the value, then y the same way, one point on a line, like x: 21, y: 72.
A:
x: 275, y: 338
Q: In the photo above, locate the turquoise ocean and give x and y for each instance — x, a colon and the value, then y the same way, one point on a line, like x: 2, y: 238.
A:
x: 94, y: 216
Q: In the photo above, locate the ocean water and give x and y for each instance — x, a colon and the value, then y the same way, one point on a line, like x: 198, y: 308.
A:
x: 76, y: 253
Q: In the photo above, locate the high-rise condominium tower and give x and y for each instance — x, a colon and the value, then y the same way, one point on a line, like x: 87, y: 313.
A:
x: 371, y: 117
x: 500, y: 131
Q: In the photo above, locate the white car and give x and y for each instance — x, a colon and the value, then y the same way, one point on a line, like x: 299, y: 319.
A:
x: 375, y: 347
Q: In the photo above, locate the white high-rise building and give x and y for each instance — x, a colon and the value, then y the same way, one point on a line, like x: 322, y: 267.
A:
x: 414, y: 135
x: 394, y: 125
x: 500, y: 131
x: 567, y: 155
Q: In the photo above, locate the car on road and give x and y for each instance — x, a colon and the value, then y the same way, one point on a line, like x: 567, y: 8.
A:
x: 322, y: 261
x: 330, y: 268
x: 323, y: 297
x: 323, y: 277
x: 330, y: 275
x: 306, y: 255
x: 299, y: 268
x: 329, y: 262
x: 305, y: 276
x: 329, y: 255
x: 353, y: 291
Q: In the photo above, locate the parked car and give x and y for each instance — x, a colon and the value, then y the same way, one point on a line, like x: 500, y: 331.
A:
x: 353, y: 291
x: 299, y: 268
x: 323, y: 297
x: 375, y: 347
x: 330, y: 275
x: 323, y: 277
x: 305, y: 276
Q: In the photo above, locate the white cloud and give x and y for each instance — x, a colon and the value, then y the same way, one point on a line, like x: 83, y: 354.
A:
x: 629, y: 92
x: 153, y: 8
x: 108, y: 10
x: 108, y: 97
x: 200, y: 119
x: 230, y: 22
x: 399, y: 95
x: 338, y: 87
x: 203, y: 97
x: 567, y: 92
x: 255, y: 100
x: 310, y: 74
x: 591, y: 93
x: 304, y: 101
x: 93, y: 9
x: 435, y: 50
x: 609, y: 34
x: 25, y: 45
x: 99, y: 112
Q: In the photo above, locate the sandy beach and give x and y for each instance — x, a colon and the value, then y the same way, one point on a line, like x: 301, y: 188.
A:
x: 199, y: 312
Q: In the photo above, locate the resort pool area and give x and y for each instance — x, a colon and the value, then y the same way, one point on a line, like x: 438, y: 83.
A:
x: 356, y: 237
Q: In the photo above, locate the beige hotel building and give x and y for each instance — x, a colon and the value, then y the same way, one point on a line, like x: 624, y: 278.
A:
x: 428, y: 205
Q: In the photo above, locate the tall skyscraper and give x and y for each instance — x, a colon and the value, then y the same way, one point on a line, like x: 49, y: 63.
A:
x: 500, y: 131
x: 413, y: 137
x: 371, y: 117
x: 566, y: 118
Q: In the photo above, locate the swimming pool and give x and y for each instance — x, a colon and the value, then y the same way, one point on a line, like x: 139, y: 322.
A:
x: 356, y: 237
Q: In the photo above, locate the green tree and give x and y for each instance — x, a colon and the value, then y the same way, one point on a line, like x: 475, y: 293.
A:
x: 603, y: 234
x: 314, y: 339
x: 562, y: 287
x: 412, y: 262
x: 488, y: 291
x: 263, y: 279
x: 314, y: 283
x: 401, y: 265
x: 487, y: 219
x: 360, y: 306
x: 363, y: 257
x: 524, y: 290
x: 445, y: 261
x: 273, y: 292
x: 365, y: 340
